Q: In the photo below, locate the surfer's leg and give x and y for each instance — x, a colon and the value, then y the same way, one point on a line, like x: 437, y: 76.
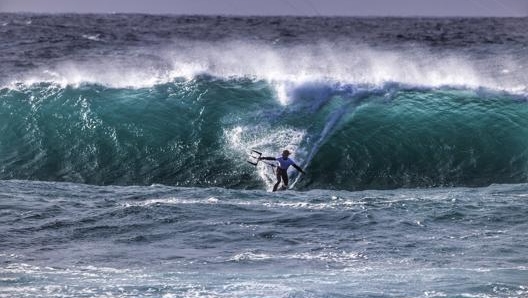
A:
x: 285, y: 178
x: 278, y: 179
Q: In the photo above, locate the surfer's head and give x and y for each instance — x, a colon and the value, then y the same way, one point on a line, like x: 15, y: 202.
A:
x: 285, y: 153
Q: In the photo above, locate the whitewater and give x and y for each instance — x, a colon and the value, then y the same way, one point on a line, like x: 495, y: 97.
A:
x: 124, y: 142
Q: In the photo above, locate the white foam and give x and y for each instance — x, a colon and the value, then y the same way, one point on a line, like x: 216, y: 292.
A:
x: 340, y: 257
x: 171, y: 201
x: 95, y: 37
x: 102, y: 72
x: 287, y: 66
x: 343, y: 62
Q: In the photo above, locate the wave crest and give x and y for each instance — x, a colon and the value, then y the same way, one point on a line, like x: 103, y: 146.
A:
x: 341, y: 62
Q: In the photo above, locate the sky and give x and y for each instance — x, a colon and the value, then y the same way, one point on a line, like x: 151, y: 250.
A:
x: 437, y: 8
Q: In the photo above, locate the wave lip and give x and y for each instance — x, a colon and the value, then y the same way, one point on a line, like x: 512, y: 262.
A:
x: 342, y: 63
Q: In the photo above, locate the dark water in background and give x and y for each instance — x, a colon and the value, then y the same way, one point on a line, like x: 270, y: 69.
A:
x: 123, y: 144
x: 74, y: 240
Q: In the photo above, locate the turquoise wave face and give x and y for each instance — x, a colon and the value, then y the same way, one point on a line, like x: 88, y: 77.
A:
x: 170, y: 133
x: 198, y: 133
x: 423, y: 138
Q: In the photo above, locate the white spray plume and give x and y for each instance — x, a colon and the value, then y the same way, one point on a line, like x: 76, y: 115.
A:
x: 286, y: 65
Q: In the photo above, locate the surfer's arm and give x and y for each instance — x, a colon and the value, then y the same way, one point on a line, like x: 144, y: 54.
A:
x: 298, y: 168
x: 267, y: 158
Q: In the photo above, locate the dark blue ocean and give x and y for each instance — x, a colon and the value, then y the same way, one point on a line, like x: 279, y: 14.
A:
x: 124, y: 142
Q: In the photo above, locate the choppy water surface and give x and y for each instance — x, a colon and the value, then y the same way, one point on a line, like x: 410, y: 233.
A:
x: 124, y: 138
